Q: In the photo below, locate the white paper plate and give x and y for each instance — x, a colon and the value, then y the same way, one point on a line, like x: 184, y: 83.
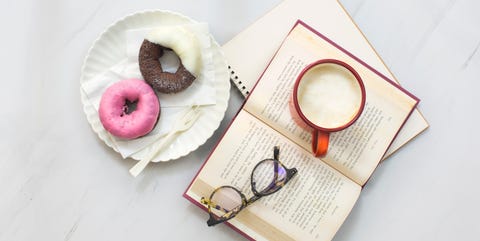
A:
x: 109, y: 49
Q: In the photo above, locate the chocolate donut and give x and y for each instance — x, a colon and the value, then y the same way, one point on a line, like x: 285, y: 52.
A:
x: 152, y: 71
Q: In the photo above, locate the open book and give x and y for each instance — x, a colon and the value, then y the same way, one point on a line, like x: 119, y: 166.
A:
x: 249, y: 52
x: 317, y: 201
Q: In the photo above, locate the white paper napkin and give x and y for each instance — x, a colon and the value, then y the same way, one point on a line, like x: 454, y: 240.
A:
x: 201, y: 92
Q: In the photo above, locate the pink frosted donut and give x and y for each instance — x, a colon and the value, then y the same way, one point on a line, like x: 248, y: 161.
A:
x: 129, y: 109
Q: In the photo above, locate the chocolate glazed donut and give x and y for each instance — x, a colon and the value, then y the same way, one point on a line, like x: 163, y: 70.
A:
x: 154, y: 75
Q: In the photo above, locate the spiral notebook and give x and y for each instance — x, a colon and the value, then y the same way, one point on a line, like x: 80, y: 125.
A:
x: 265, y: 35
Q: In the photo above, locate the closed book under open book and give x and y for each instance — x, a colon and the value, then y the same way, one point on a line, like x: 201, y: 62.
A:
x: 265, y: 35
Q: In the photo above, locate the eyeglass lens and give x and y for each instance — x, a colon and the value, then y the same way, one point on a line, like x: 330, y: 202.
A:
x: 224, y: 200
x: 268, y: 176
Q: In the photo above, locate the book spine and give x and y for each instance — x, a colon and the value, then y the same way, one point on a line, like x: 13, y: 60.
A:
x: 238, y: 82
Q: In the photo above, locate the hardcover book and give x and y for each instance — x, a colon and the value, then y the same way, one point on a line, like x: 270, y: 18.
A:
x: 315, y: 203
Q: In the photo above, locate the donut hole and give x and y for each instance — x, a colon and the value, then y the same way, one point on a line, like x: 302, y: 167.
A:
x: 169, y: 61
x: 129, y: 107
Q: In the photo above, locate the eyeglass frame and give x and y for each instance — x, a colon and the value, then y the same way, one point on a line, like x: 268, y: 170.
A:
x: 290, y: 173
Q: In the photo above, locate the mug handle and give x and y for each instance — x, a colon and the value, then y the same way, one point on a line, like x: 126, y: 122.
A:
x: 320, y: 143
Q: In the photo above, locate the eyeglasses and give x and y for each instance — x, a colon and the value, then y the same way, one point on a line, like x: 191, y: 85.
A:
x: 267, y: 177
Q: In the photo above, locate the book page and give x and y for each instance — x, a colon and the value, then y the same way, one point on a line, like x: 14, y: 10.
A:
x: 268, y: 32
x: 355, y: 151
x: 312, y: 206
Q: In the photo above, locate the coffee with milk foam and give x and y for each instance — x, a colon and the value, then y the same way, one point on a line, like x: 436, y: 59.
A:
x: 329, y: 95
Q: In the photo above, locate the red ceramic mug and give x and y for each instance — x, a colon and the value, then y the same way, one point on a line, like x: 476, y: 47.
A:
x: 328, y: 96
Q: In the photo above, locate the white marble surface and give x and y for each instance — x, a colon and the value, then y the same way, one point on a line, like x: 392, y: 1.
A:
x: 58, y: 181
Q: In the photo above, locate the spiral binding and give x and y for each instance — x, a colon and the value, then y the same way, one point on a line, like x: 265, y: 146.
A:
x: 238, y: 83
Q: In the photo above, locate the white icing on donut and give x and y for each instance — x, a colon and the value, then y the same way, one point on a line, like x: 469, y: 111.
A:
x: 183, y: 42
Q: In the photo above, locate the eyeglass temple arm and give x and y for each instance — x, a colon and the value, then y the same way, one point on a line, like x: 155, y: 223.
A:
x: 276, y: 153
x: 290, y: 172
x: 212, y: 222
